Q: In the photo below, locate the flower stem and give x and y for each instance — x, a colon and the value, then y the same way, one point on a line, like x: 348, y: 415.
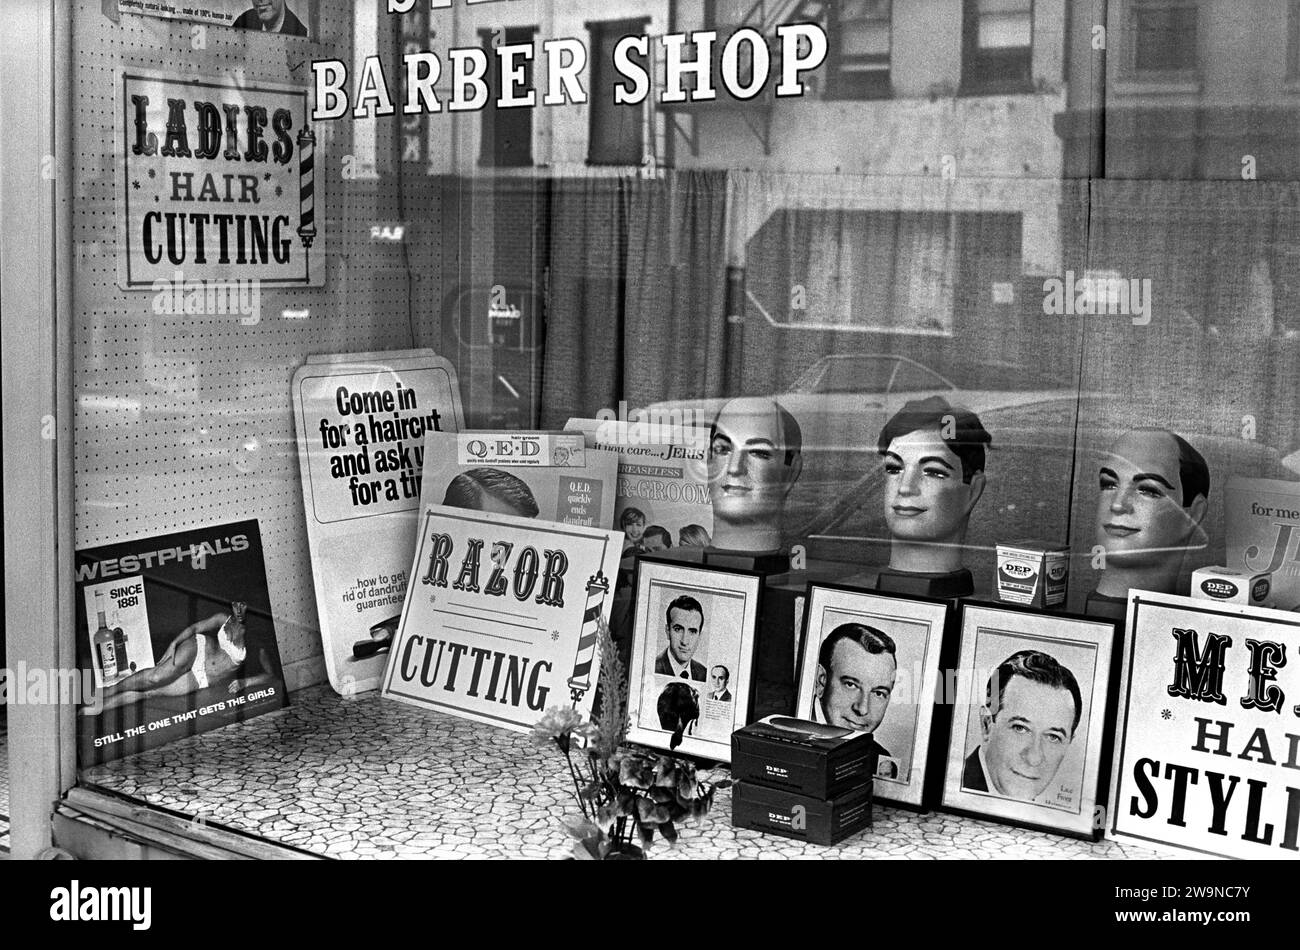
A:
x: 577, y: 786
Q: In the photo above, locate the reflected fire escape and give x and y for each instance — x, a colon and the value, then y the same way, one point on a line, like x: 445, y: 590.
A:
x: 764, y: 16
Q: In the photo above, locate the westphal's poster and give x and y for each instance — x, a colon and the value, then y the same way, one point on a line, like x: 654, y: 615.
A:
x: 662, y: 498
x: 362, y: 420
x: 278, y: 17
x: 1263, y: 520
x: 218, y: 187
x: 1207, y: 756
x: 551, y: 476
x: 177, y: 633
x: 501, y: 616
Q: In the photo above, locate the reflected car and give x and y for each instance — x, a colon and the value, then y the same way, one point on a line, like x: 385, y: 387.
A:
x: 844, y: 401
x: 1033, y: 468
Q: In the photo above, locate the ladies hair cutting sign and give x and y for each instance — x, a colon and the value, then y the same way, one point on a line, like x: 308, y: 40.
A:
x: 218, y: 184
x: 744, y: 66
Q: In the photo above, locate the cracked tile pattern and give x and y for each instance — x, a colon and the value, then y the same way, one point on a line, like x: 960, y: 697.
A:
x: 365, y: 778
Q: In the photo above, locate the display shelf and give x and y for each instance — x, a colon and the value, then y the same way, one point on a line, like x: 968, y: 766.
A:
x: 371, y: 778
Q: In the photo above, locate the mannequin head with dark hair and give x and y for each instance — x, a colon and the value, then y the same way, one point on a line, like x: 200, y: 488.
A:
x: 1153, y: 491
x: 934, y: 456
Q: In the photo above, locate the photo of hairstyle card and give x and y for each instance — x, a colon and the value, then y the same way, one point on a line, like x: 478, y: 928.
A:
x: 662, y: 501
x: 174, y: 637
x: 1032, y: 719
x: 501, y: 616
x: 362, y: 420
x: 691, y: 676
x: 550, y: 476
x: 871, y: 663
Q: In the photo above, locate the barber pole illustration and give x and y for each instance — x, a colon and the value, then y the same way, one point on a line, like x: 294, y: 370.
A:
x: 307, y: 186
x: 580, y: 681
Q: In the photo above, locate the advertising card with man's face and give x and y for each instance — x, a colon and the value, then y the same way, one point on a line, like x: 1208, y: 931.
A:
x: 690, y: 665
x: 870, y: 664
x: 1028, y: 718
x: 1024, y: 737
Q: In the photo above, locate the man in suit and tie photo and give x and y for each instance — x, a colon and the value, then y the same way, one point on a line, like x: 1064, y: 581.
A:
x: 718, y: 679
x: 1030, y: 715
x: 685, y: 628
x: 856, y: 669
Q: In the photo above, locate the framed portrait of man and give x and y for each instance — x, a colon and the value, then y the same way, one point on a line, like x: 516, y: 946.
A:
x: 1030, y: 742
x: 871, y: 662
x: 690, y: 679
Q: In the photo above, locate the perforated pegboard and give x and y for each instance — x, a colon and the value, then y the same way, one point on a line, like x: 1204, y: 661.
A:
x: 184, y: 420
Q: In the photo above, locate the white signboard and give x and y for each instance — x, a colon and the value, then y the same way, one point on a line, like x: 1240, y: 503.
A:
x: 501, y: 614
x: 1206, y: 748
x: 362, y: 421
x: 218, y: 184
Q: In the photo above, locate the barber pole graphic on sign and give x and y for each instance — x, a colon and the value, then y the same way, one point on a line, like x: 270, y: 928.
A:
x: 307, y: 186
x: 580, y: 681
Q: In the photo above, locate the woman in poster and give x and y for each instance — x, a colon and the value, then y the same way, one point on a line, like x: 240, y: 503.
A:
x: 203, y: 654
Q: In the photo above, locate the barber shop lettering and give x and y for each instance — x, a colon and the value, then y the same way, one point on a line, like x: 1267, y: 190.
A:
x: 1164, y: 788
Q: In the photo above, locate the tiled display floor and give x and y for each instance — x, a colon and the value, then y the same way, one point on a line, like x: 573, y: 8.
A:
x: 365, y: 778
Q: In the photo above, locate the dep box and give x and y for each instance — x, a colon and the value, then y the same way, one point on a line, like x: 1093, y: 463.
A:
x: 802, y: 757
x: 780, y: 812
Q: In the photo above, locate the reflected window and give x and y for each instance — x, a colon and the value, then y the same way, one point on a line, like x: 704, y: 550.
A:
x: 507, y: 133
x: 617, y: 131
x: 1293, y: 40
x: 997, y: 46
x: 862, y: 38
x: 1162, y: 37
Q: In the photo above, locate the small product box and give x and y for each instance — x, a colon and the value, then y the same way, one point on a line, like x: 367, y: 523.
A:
x: 781, y: 812
x: 1233, y: 587
x: 1033, y: 573
x: 803, y: 757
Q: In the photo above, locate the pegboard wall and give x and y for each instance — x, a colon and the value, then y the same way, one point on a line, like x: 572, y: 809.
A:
x: 184, y: 420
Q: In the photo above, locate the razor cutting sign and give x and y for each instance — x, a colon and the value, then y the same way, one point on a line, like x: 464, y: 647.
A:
x: 501, y: 616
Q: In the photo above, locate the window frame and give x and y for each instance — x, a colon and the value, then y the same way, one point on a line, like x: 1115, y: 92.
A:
x: 847, y: 82
x: 630, y: 26
x: 489, y: 155
x: 1293, y: 40
x: 1187, y: 74
x: 994, y: 72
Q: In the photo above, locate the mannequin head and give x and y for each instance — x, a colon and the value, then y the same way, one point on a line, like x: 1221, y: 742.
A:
x: 934, y: 457
x: 754, y: 460
x: 1153, y: 491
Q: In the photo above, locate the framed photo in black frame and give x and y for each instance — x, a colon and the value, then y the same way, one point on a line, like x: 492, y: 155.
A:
x: 690, y: 681
x: 1032, y: 718
x: 871, y: 662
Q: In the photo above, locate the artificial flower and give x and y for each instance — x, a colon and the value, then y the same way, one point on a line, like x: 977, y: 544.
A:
x: 557, y: 725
